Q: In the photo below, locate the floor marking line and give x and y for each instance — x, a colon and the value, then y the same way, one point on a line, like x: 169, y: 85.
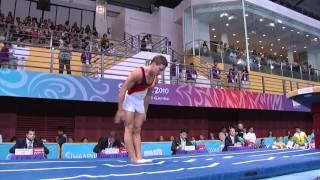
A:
x: 134, y: 165
x: 256, y: 160
x: 44, y: 169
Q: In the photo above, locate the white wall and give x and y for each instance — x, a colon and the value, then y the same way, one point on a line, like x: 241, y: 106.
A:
x: 118, y: 26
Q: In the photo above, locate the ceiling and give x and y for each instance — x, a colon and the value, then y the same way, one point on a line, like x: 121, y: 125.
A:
x: 145, y: 5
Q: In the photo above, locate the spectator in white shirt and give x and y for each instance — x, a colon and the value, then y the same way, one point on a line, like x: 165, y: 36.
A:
x: 223, y: 134
x: 290, y: 143
x: 251, y: 136
x: 0, y: 138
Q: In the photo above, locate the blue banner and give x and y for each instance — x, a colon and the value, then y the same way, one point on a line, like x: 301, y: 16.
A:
x: 78, y: 151
x: 148, y: 149
x: 5, y: 155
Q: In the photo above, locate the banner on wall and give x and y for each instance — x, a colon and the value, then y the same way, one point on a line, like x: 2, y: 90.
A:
x: 5, y: 147
x: 67, y: 87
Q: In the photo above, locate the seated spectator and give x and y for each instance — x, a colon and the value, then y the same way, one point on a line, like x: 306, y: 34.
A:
x: 161, y: 138
x: 223, y: 134
x: 289, y: 133
x: 13, y: 139
x: 215, y: 72
x: 172, y: 138
x: 251, y: 137
x: 111, y: 141
x: 279, y: 144
x: 262, y: 144
x: 182, y: 142
x: 312, y: 135
x: 191, y: 73
x: 62, y: 137
x: 300, y: 138
x: 201, y: 138
x: 84, y: 140
x: 29, y: 142
x: 290, y: 143
x: 211, y: 136
x: 43, y: 140
x: 270, y: 134
x: 245, y: 78
x: 1, y: 141
x: 70, y: 140
x: 231, y: 140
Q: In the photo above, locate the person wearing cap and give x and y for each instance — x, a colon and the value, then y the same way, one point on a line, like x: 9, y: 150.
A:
x: 182, y: 142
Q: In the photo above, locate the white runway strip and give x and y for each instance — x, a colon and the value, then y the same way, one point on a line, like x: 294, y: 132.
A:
x: 46, y: 169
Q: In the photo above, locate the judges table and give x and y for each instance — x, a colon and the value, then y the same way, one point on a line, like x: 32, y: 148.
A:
x: 28, y: 157
x: 240, y: 148
x: 106, y: 156
x: 202, y: 151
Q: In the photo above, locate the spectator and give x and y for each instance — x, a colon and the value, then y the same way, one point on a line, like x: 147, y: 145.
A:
x: 300, y: 138
x: 262, y: 144
x: 201, y: 138
x: 1, y: 140
x: 312, y: 135
x: 4, y: 56
x: 62, y: 137
x: 222, y: 135
x: 104, y: 43
x: 70, y: 140
x: 239, y: 130
x: 279, y: 144
x: 111, y: 141
x: 231, y: 139
x: 270, y: 134
x: 290, y: 143
x: 161, y: 138
x: 232, y: 78
x: 43, y: 140
x: 216, y: 82
x: 289, y: 133
x: 211, y: 136
x: 86, y: 61
x: 182, y: 142
x: 251, y: 136
x: 245, y: 78
x: 13, y: 139
x: 84, y: 140
x: 64, y: 57
x: 172, y: 138
x: 191, y: 73
x: 29, y: 142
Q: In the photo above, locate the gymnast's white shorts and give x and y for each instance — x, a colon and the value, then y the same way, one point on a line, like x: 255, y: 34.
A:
x: 134, y: 103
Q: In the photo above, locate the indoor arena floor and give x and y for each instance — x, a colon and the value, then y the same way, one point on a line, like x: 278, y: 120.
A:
x: 226, y: 165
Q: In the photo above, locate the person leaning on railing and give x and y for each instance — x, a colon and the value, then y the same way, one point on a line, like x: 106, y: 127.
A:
x: 64, y: 57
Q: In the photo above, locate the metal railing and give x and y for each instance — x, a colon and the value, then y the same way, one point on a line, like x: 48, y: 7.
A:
x: 229, y: 56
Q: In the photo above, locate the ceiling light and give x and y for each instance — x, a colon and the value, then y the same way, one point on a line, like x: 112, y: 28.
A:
x: 307, y: 35
x: 227, y: 25
x: 305, y: 47
x: 247, y: 15
x: 238, y: 41
x: 298, y: 32
x: 214, y: 36
x: 234, y: 34
x: 275, y: 53
x: 291, y: 30
x: 261, y: 19
x: 315, y: 39
x: 282, y: 47
x: 224, y: 15
x: 271, y: 44
x: 283, y: 27
x: 279, y: 21
x: 294, y: 51
x: 271, y: 24
x: 248, y: 38
x: 264, y: 35
x: 280, y: 55
x: 213, y: 29
x: 270, y: 49
x: 230, y: 18
x: 260, y: 41
x: 262, y: 47
x: 279, y: 39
